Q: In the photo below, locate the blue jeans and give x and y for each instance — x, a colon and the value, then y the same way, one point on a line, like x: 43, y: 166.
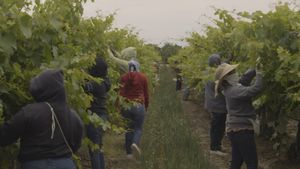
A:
x: 135, y: 116
x: 217, y: 130
x: 96, y: 136
x: 243, y: 149
x: 56, y: 163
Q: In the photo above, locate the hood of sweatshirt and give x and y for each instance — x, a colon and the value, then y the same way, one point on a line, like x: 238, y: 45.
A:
x: 214, y: 60
x: 133, y: 66
x: 129, y: 53
x: 48, y: 86
x: 99, y: 69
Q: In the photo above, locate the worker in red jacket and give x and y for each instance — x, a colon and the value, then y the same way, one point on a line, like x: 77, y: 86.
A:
x: 134, y: 87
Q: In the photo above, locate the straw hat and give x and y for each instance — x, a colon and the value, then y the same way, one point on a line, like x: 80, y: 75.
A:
x: 222, y: 71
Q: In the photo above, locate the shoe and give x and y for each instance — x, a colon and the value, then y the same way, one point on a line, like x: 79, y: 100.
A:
x: 136, y: 150
x: 217, y: 152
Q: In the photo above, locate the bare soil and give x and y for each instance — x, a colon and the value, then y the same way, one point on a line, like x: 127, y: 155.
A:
x: 199, y: 120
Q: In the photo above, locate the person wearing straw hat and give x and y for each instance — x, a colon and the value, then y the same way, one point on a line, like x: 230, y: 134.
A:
x: 216, y: 105
x: 241, y: 114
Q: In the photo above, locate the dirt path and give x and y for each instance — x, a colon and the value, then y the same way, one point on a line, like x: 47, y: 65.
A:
x: 199, y: 120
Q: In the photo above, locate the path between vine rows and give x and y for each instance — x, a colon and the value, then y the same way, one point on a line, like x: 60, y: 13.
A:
x: 198, y: 119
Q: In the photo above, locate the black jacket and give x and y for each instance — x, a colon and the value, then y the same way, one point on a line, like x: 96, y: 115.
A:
x: 32, y: 124
x: 99, y: 91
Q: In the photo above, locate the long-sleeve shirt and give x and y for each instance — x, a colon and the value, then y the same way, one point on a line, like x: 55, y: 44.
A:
x: 134, y: 87
x: 33, y: 123
x: 239, y: 104
x: 217, y: 104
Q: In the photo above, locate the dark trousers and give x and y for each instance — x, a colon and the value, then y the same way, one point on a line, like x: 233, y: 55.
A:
x: 217, y: 130
x: 96, y: 136
x: 55, y: 163
x: 243, y: 149
x: 135, y: 116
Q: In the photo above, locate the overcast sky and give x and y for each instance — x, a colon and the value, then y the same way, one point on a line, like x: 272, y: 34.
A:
x: 159, y: 21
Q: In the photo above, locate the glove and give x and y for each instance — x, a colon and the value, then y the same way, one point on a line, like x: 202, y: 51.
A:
x: 259, y: 65
x: 247, y: 77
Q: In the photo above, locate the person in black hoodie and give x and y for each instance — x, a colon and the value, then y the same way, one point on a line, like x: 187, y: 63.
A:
x: 98, y: 106
x: 42, y: 143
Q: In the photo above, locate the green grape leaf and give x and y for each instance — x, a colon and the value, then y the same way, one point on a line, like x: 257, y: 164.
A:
x: 8, y: 43
x: 25, y: 24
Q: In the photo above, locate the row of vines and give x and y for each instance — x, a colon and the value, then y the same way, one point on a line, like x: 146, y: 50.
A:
x: 36, y: 35
x: 242, y: 37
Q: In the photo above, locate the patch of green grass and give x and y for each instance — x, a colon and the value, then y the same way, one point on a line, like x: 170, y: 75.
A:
x: 167, y: 141
x: 114, y: 153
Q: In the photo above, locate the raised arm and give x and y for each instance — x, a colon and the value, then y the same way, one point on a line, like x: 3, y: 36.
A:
x: 250, y: 91
x: 123, y: 64
x: 247, y: 77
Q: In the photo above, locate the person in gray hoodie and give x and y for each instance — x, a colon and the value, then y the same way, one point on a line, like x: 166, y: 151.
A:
x: 216, y: 105
x: 241, y: 114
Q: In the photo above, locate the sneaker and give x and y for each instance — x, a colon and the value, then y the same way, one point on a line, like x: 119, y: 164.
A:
x: 217, y: 152
x: 136, y: 150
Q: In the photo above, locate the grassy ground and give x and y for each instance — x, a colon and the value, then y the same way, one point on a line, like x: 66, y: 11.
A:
x: 167, y: 141
x: 174, y: 130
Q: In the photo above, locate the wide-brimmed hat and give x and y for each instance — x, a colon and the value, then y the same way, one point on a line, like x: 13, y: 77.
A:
x: 222, y: 71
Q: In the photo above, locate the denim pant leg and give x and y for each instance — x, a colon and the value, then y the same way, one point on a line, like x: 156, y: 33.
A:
x: 217, y: 130
x: 129, y: 130
x: 135, y: 117
x: 97, y: 157
x: 59, y: 163
x: 128, y: 141
x: 139, y: 116
x: 244, y: 149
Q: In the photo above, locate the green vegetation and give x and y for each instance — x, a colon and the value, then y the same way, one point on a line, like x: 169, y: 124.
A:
x: 53, y: 34
x: 243, y: 38
x: 167, y: 141
x: 168, y: 50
